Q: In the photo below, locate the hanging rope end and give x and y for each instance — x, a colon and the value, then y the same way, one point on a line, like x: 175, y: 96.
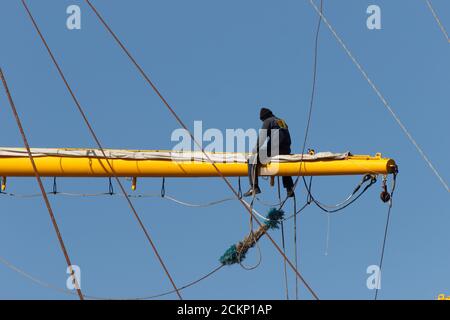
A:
x: 274, y: 217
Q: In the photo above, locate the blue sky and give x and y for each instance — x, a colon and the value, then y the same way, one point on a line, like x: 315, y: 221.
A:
x: 219, y: 62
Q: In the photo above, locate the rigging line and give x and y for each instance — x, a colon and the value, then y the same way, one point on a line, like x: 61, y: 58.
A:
x: 68, y: 194
x: 91, y: 130
x: 385, y: 235
x: 438, y: 20
x: 308, y: 196
x: 283, y: 244
x: 381, y: 97
x: 295, y: 246
x: 311, y: 199
x: 41, y: 186
x: 286, y: 283
x: 311, y: 101
x: 296, y: 213
x: 34, y: 279
x: 185, y: 286
x: 136, y: 196
x: 142, y: 72
x: 267, y: 203
x: 209, y: 204
x: 365, y: 179
x: 349, y: 197
x: 252, y: 235
x: 338, y: 207
x: 90, y: 297
x: 316, y: 47
x: 313, y: 88
x: 318, y: 204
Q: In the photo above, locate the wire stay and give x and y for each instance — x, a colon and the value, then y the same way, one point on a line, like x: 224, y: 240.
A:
x: 381, y: 97
x: 41, y: 186
x: 438, y: 20
x: 91, y: 130
x: 183, y: 125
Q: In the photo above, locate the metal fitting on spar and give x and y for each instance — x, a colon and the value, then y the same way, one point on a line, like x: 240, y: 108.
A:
x: 3, y: 187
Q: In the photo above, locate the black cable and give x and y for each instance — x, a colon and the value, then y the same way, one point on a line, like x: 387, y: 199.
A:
x: 319, y: 205
x: 311, y: 199
x: 163, y: 187
x: 55, y: 187
x: 295, y: 246
x: 308, y: 196
x: 239, y: 188
x: 284, y: 264
x: 286, y: 283
x: 110, y: 187
x: 385, y: 233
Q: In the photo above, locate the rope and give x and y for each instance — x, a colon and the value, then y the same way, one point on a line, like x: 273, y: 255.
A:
x: 41, y: 186
x: 251, y: 233
x: 182, y: 124
x: 242, y: 249
x: 385, y: 234
x: 34, y: 279
x: 350, y: 196
x: 163, y: 187
x: 185, y: 286
x: 295, y: 246
x: 136, y: 196
x: 55, y: 187
x: 286, y: 286
x: 286, y: 283
x: 382, y: 98
x: 110, y: 187
x: 436, y: 17
x: 337, y: 207
x: 239, y: 187
x: 206, y: 204
x: 340, y: 207
x: 296, y: 213
x: 209, y: 204
x: 90, y: 297
x: 267, y: 204
x: 91, y: 130
x: 311, y: 101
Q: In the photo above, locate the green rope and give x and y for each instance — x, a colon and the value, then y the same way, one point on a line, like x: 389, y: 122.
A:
x: 236, y: 253
x: 274, y: 217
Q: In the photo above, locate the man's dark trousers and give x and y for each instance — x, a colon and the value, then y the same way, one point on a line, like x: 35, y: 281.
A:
x: 288, y: 183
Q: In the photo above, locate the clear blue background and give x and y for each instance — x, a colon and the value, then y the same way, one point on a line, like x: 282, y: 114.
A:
x: 219, y: 62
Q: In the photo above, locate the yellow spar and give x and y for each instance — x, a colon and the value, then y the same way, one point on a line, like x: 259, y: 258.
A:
x: 129, y: 163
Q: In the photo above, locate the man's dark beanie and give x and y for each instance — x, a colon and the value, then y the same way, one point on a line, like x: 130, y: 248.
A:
x: 265, y: 113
